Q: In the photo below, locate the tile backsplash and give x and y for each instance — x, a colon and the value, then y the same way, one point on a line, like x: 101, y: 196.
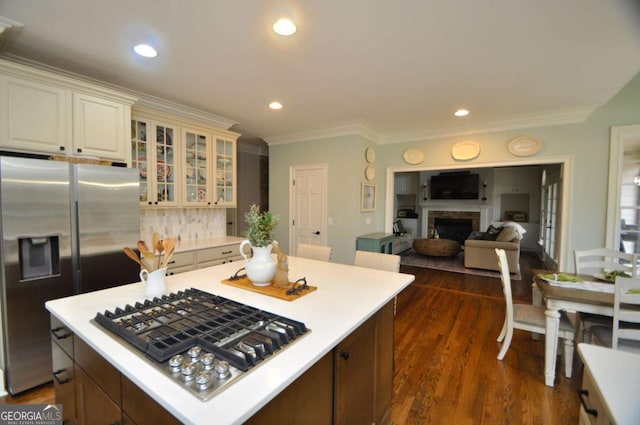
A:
x: 187, y: 223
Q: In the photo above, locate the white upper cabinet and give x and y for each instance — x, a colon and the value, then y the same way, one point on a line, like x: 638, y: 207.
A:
x: 197, y: 168
x: 35, y: 117
x: 182, y: 162
x: 517, y: 180
x: 48, y: 113
x: 155, y: 146
x: 209, y: 165
x: 99, y: 127
x: 225, y: 154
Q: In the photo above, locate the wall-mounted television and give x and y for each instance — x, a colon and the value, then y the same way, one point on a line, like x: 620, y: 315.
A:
x: 463, y: 185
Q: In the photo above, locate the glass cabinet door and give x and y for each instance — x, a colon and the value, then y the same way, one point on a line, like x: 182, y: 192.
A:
x: 225, y: 171
x: 165, y: 165
x: 140, y: 155
x: 196, y: 168
x: 153, y: 153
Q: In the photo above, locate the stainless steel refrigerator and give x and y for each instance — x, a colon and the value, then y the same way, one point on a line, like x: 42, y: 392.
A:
x: 63, y: 229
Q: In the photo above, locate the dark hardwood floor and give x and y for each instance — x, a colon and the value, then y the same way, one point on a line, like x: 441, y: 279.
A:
x: 446, y: 366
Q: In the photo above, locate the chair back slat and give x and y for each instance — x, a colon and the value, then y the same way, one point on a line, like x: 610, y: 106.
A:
x: 626, y: 310
x: 599, y: 260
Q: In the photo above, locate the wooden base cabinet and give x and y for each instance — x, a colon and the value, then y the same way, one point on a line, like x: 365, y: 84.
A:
x: 64, y: 381
x: 350, y: 385
x: 92, y: 391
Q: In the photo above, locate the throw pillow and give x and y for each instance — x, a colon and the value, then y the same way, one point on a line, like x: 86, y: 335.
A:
x: 507, y: 235
x: 494, y: 230
x: 398, y: 228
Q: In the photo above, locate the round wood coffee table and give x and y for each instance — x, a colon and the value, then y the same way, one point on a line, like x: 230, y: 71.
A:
x: 436, y: 247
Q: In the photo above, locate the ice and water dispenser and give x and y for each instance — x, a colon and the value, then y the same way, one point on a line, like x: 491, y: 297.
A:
x: 39, y: 257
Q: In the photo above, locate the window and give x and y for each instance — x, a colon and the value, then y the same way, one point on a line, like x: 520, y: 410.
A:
x: 623, y: 222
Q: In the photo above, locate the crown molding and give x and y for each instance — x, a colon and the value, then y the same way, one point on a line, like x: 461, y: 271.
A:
x: 17, y: 65
x: 364, y: 129
x: 516, y: 122
x: 9, y: 29
x: 351, y: 128
x: 35, y: 71
x: 153, y: 103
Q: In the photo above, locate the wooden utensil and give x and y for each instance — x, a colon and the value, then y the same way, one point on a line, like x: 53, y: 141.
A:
x: 160, y: 249
x: 132, y: 254
x: 169, y: 248
x: 149, y: 259
x: 142, y: 246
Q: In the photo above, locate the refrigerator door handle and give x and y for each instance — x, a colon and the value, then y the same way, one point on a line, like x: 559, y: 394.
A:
x: 76, y: 235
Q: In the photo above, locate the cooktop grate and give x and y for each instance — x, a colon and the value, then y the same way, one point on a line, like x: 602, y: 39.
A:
x: 165, y: 327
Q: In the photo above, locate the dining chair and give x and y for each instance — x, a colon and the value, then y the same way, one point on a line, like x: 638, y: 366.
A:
x: 377, y: 260
x: 530, y: 318
x: 600, y: 260
x: 596, y: 262
x: 314, y: 252
x: 624, y: 334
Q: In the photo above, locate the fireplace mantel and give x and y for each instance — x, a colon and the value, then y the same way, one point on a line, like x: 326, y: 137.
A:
x: 483, y: 210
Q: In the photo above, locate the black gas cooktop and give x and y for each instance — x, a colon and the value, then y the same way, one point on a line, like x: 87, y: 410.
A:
x: 202, y: 340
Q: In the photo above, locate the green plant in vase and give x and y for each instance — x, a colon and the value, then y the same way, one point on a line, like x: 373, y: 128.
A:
x: 261, y: 267
x: 261, y: 226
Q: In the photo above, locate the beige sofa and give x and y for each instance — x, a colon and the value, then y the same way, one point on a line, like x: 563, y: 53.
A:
x: 481, y: 254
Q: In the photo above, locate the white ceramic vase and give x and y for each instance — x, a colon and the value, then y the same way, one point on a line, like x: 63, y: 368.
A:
x: 155, y: 283
x: 261, y: 267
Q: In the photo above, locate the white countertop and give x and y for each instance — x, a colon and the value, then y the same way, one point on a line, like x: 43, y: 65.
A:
x: 617, y: 377
x: 184, y: 246
x: 345, y: 298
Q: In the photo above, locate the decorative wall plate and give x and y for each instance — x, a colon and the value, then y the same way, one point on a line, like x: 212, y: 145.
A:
x: 524, y: 146
x: 413, y: 156
x: 370, y: 173
x: 465, y: 151
x: 370, y: 155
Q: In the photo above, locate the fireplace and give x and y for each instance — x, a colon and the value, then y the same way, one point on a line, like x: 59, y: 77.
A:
x: 453, y: 224
x: 457, y: 229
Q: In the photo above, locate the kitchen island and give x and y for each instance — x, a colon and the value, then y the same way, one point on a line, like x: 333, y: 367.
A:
x: 346, y: 299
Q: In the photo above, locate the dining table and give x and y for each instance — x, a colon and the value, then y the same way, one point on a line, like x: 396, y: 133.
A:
x: 589, y: 295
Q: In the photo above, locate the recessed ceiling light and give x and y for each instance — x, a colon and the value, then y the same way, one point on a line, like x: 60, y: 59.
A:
x: 145, y: 50
x: 461, y: 113
x: 275, y: 105
x: 284, y: 26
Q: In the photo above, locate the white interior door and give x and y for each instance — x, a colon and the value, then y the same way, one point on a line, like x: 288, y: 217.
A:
x: 308, y: 205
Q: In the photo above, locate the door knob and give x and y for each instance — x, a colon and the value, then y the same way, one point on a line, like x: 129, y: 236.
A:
x: 317, y: 232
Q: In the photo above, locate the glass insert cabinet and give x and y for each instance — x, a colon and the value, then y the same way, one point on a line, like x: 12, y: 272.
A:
x: 183, y: 165
x: 154, y: 154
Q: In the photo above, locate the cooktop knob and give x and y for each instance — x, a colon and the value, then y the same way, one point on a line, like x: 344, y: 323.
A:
x: 175, y: 362
x: 203, y: 379
x: 194, y: 352
x: 222, y: 369
x: 207, y: 360
x: 188, y: 372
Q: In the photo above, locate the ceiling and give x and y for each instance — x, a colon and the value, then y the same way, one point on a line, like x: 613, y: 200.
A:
x: 397, y: 69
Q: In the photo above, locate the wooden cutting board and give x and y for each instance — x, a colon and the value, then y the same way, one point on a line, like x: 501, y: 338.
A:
x: 270, y: 290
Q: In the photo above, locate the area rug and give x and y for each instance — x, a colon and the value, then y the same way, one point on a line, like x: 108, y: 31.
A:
x: 450, y: 264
